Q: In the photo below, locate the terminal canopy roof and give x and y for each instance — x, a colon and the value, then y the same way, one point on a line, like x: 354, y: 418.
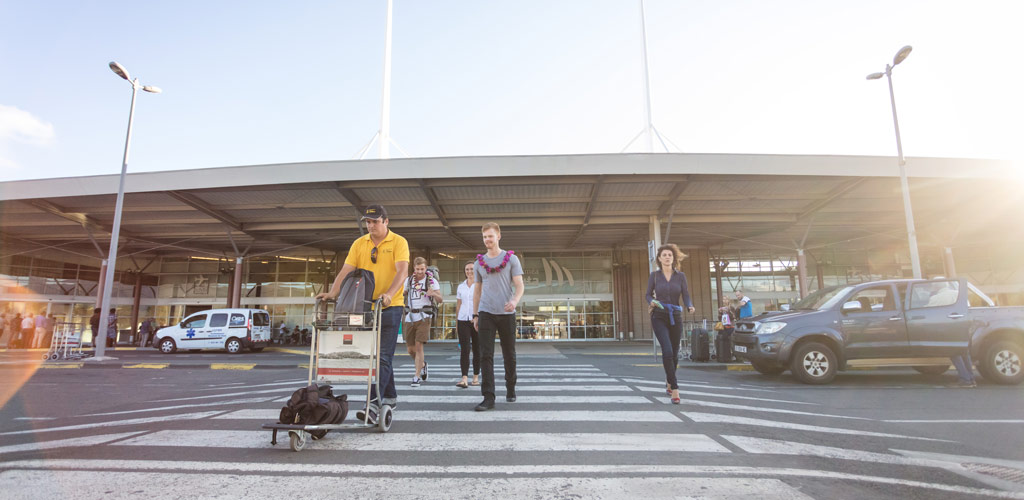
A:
x: 582, y: 202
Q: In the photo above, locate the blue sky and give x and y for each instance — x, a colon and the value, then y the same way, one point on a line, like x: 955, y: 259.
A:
x: 267, y: 82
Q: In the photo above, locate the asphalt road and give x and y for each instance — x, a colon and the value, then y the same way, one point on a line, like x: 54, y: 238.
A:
x: 591, y: 421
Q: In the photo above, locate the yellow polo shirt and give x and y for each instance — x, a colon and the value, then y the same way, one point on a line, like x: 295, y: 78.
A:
x: 392, y: 250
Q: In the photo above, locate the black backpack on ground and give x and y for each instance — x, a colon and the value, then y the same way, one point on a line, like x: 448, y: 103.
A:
x: 699, y: 348
x: 313, y: 405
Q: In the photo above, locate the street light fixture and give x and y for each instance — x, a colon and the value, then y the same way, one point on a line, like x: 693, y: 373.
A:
x: 108, y: 278
x: 915, y: 259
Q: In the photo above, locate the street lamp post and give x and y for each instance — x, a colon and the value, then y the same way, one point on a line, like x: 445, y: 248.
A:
x: 915, y: 259
x: 108, y: 279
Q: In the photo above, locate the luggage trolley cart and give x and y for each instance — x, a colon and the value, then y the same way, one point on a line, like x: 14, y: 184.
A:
x: 66, y: 343
x: 344, y: 348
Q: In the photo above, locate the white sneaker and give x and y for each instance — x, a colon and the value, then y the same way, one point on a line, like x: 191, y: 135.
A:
x: 415, y: 382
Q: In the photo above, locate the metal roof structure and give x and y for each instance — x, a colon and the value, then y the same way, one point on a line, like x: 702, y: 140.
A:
x: 583, y: 202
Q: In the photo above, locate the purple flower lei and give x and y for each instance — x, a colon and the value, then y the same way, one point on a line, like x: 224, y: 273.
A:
x: 492, y: 270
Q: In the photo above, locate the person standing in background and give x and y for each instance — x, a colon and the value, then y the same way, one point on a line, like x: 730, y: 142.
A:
x: 746, y: 309
x: 469, y: 339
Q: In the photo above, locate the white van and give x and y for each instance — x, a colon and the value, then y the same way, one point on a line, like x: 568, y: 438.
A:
x: 229, y: 329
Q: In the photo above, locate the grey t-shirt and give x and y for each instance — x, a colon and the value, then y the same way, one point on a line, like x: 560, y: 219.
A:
x: 497, y: 287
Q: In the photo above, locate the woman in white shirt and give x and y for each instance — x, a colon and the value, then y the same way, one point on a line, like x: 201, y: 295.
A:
x: 468, y: 338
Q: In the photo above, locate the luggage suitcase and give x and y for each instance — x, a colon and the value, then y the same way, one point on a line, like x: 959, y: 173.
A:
x: 699, y: 348
x: 723, y: 346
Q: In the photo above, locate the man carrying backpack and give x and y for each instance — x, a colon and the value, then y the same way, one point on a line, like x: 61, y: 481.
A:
x: 423, y: 293
x: 386, y: 255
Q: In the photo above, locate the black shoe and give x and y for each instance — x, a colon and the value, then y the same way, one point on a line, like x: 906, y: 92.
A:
x: 424, y: 371
x: 510, y: 397
x: 485, y: 405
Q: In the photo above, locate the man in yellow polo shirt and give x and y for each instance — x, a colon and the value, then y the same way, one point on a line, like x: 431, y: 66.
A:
x: 386, y: 254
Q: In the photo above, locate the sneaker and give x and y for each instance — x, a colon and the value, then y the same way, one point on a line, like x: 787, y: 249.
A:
x: 485, y: 405
x: 966, y: 385
x: 424, y: 371
x: 392, y: 402
x: 415, y: 382
x: 372, y: 409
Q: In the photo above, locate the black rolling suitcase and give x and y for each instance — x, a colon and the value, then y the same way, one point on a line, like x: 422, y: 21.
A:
x: 723, y: 346
x: 699, y: 348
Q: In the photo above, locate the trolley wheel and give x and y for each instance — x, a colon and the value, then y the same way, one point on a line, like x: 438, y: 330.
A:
x: 55, y: 356
x: 46, y: 356
x: 298, y: 440
x: 385, y: 418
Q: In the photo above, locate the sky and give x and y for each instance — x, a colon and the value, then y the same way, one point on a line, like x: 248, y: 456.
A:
x: 261, y: 82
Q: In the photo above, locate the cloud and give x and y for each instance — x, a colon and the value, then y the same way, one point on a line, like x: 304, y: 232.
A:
x: 22, y: 126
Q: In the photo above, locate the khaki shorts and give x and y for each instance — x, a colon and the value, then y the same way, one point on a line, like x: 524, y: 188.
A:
x: 416, y: 332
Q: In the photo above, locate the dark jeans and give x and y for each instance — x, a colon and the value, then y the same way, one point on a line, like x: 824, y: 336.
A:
x: 669, y: 337
x: 505, y: 327
x: 390, y: 318
x: 469, y: 340
x: 964, y: 366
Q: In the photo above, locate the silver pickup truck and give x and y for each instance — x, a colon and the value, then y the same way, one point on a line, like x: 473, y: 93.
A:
x: 917, y: 323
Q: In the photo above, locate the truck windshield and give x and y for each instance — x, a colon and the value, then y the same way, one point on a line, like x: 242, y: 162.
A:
x: 822, y: 299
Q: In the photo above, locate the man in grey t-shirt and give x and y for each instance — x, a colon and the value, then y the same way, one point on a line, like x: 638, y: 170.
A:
x: 494, y: 304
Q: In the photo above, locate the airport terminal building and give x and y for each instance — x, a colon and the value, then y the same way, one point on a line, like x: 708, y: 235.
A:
x: 272, y: 236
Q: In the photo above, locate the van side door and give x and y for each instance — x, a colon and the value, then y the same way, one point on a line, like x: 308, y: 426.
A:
x: 193, y: 332
x: 218, y: 330
x: 938, y: 323
x: 238, y: 325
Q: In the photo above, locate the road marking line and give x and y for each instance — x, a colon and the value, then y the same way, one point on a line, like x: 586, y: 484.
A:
x: 287, y: 350
x: 178, y: 407
x: 408, y: 391
x: 761, y: 409
x: 739, y: 368
x: 61, y: 365
x: 730, y: 419
x: 617, y: 354
x: 66, y: 443
x: 232, y: 366
x: 274, y: 384
x: 131, y: 421
x: 661, y: 390
x: 699, y: 385
x: 762, y: 446
x: 29, y: 484
x: 682, y: 443
x: 961, y: 421
x: 495, y: 416
x: 83, y: 466
x: 147, y: 365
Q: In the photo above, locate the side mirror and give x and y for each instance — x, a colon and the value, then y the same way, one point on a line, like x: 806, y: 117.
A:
x: 784, y: 307
x: 851, y: 306
x: 181, y: 325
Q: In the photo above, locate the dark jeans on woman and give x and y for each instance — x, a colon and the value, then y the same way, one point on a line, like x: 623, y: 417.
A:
x: 669, y: 336
x: 504, y: 325
x: 468, y: 339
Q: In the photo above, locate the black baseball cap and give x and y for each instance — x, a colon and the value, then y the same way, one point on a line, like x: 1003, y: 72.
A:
x: 375, y: 212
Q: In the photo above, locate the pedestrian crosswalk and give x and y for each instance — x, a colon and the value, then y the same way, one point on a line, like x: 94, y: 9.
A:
x: 594, y: 431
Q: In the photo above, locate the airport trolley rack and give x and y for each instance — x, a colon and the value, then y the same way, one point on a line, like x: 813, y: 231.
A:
x: 66, y: 343
x: 344, y: 348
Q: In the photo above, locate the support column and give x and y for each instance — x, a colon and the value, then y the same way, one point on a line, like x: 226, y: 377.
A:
x: 801, y: 269
x: 136, y: 302
x: 655, y: 236
x: 231, y: 289
x: 821, y: 275
x: 236, y: 285
x: 99, y: 283
x: 948, y: 262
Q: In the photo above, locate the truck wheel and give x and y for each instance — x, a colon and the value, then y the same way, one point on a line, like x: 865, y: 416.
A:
x: 814, y: 363
x: 931, y: 371
x: 167, y: 346
x: 1001, y: 363
x: 767, y: 368
x: 233, y: 346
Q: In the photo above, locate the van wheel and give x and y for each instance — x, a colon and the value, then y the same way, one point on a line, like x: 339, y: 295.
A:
x: 256, y: 349
x: 167, y: 346
x: 233, y: 346
x: 1001, y: 363
x: 931, y: 371
x: 814, y: 363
